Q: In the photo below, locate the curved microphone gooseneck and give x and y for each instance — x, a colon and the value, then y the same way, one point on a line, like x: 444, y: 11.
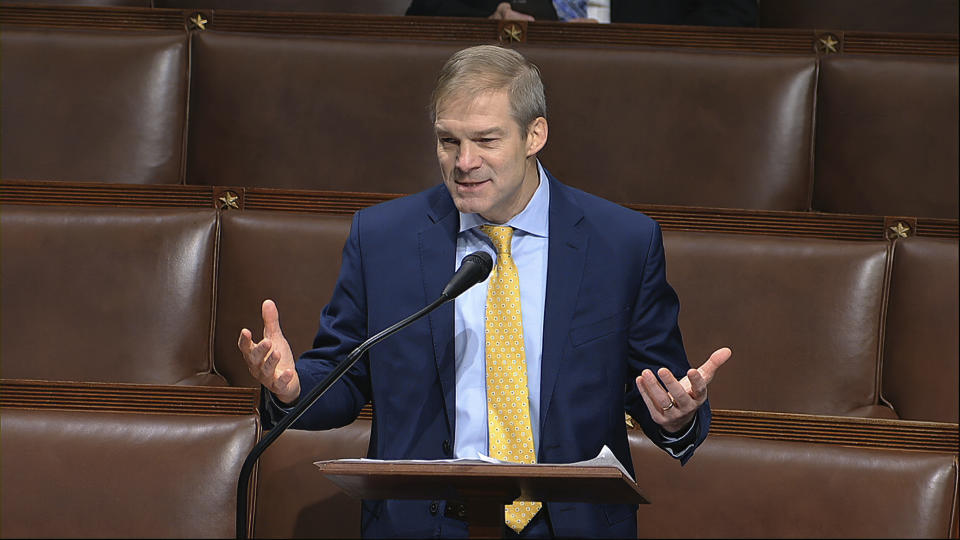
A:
x: 474, y: 269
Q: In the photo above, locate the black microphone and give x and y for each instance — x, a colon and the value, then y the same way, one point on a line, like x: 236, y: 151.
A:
x: 474, y: 269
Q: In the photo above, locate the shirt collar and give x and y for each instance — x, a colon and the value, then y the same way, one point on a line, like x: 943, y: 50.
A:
x: 533, y: 219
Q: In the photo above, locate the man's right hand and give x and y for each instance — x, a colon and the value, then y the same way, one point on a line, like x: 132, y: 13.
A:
x: 271, y: 361
x: 504, y: 11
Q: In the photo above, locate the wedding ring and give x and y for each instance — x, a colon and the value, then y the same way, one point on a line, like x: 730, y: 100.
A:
x: 668, y: 407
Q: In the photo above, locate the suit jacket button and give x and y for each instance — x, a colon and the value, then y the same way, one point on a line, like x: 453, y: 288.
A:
x: 446, y: 447
x: 434, y: 508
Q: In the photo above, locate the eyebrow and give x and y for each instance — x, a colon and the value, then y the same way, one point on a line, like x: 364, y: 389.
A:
x: 474, y: 135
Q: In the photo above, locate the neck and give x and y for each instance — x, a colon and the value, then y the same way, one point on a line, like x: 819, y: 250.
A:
x: 528, y: 186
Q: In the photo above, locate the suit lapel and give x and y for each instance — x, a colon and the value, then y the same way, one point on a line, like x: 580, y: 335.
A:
x: 565, y: 263
x: 437, y: 247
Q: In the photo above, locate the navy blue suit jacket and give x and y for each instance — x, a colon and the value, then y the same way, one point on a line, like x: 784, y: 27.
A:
x: 609, y: 314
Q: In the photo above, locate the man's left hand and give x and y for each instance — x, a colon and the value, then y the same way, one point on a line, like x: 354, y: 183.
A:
x: 674, y: 403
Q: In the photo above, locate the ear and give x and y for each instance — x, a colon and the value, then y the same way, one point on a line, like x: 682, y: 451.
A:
x: 536, y: 135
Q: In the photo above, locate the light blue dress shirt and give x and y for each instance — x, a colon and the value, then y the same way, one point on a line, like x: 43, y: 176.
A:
x: 529, y: 249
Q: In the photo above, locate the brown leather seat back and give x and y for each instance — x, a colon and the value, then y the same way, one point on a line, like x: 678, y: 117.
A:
x: 76, y: 474
x: 751, y: 488
x: 887, y: 136
x: 294, y: 500
x: 107, y: 294
x: 92, y: 105
x: 684, y: 128
x: 921, y: 358
x: 349, y: 115
x: 313, y: 113
x: 801, y: 315
x: 291, y: 258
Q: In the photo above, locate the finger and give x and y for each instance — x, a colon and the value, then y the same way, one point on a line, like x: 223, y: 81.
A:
x: 660, y: 398
x: 717, y: 359
x: 270, y: 361
x: 271, y: 319
x: 676, y: 391
x: 256, y: 355
x: 245, y: 343
x: 697, y: 386
x: 283, y: 381
x: 252, y: 352
x: 656, y: 413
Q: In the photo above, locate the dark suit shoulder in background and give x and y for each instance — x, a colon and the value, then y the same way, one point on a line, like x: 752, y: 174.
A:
x: 453, y: 8
x: 680, y: 12
x: 685, y: 12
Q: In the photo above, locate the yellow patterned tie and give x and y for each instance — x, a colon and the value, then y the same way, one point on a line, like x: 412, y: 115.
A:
x: 508, y: 412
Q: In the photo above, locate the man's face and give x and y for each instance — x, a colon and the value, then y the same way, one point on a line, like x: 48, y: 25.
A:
x: 486, y: 160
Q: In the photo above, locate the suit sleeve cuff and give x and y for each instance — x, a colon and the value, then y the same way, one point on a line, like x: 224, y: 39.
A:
x: 679, y: 445
x: 273, y: 408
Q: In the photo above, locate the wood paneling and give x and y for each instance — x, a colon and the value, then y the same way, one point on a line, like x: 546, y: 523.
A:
x: 137, y: 398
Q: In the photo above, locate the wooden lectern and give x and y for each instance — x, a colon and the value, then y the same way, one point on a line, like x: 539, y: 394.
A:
x: 483, y: 487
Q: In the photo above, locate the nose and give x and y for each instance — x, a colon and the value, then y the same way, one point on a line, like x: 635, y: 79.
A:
x: 468, y: 158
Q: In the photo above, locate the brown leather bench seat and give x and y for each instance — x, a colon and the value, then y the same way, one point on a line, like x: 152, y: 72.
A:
x: 294, y: 500
x: 332, y: 108
x: 93, y: 105
x: 921, y: 357
x: 735, y: 487
x: 802, y: 315
x: 332, y: 114
x: 804, y: 310
x: 108, y: 294
x: 291, y: 258
x: 891, y: 152
x: 312, y: 113
x: 122, y: 461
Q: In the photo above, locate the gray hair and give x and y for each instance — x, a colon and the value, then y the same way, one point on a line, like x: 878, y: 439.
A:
x: 484, y: 68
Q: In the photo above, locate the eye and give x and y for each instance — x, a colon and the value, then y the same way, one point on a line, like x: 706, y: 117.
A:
x: 446, y: 141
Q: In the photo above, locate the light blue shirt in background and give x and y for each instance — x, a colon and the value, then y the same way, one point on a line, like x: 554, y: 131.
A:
x: 529, y: 249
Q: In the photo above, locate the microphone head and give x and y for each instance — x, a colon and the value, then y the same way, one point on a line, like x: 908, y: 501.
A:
x: 484, y: 262
x: 474, y: 269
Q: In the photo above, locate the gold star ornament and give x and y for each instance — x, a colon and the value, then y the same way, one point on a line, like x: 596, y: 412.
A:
x: 829, y: 43
x: 229, y: 200
x: 900, y: 230
x: 512, y: 32
x: 199, y: 22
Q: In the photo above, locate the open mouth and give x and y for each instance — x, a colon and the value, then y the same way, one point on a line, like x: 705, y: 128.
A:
x: 469, y: 185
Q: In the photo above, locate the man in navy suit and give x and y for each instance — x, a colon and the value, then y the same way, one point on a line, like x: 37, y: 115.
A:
x: 599, y: 319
